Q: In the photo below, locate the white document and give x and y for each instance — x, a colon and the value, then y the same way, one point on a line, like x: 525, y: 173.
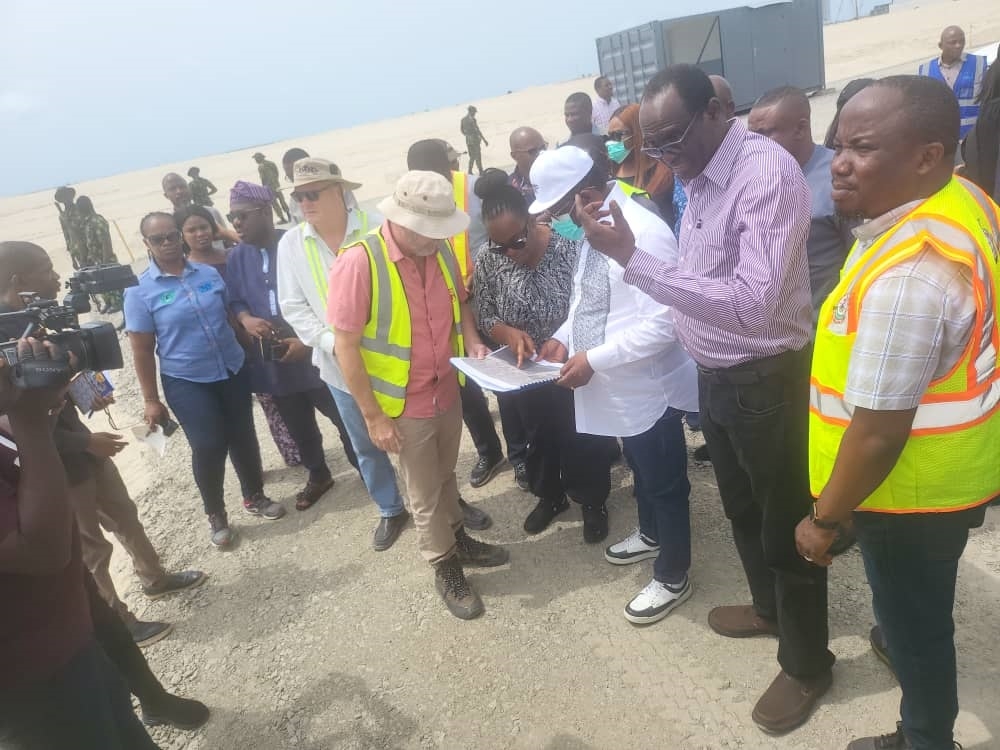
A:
x: 153, y: 438
x: 499, y: 371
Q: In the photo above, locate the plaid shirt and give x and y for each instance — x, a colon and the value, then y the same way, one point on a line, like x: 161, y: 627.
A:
x: 916, y: 319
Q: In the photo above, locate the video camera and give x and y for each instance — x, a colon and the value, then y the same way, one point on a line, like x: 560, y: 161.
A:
x: 95, y: 344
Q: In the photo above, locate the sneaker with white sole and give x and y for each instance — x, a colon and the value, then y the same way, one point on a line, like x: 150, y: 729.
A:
x: 655, y: 602
x: 631, y: 549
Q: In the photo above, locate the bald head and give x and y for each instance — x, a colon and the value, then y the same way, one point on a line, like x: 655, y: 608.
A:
x: 724, y: 93
x: 176, y: 190
x: 783, y: 115
x: 525, y: 146
x: 952, y: 44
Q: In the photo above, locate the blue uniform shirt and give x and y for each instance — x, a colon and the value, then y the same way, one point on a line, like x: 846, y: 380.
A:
x: 188, y: 314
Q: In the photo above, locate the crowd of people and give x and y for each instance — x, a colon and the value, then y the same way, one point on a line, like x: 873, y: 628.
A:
x: 826, y: 314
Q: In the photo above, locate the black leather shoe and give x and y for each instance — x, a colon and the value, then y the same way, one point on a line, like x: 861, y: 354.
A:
x: 174, y: 711
x: 388, y: 531
x: 595, y: 523
x: 473, y: 518
x: 540, y: 518
x: 485, y: 469
x: 521, y: 476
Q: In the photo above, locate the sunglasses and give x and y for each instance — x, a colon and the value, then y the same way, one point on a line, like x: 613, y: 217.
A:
x: 518, y: 243
x: 241, y: 215
x: 533, y: 151
x: 619, y: 135
x: 672, y: 147
x: 164, y: 239
x: 308, y: 195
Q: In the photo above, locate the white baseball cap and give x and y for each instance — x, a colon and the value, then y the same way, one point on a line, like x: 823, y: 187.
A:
x: 555, y: 173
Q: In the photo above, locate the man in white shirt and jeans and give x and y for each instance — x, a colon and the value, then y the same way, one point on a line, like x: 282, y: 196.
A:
x: 630, y: 377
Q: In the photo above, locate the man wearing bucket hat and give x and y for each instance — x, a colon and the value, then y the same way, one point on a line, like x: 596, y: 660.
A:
x: 305, y: 255
x: 400, y: 311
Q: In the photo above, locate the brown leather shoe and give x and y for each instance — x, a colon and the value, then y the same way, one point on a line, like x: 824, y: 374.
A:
x: 740, y: 622
x: 789, y: 701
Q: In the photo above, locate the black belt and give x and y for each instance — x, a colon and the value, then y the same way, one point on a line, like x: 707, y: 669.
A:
x: 758, y: 370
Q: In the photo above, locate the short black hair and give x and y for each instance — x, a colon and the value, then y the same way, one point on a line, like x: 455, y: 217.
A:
x: 429, y: 155
x: 929, y: 107
x: 154, y: 215
x: 691, y: 82
x: 600, y: 173
x: 193, y: 171
x: 499, y: 197
x: 784, y: 94
x: 16, y: 258
x: 581, y: 99
x: 181, y: 216
x: 294, y: 154
x: 598, y: 80
x: 84, y: 204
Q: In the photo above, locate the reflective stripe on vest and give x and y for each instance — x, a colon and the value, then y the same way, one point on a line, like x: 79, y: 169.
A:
x: 973, y: 69
x: 949, y: 461
x: 460, y: 242
x: 318, y: 268
x: 631, y: 190
x: 387, y: 337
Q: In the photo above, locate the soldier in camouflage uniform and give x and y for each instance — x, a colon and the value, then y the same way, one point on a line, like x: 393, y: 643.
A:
x: 201, y: 189
x: 72, y: 228
x: 97, y: 239
x: 268, y: 171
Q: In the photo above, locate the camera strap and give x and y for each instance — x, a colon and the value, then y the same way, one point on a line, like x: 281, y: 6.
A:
x: 272, y: 296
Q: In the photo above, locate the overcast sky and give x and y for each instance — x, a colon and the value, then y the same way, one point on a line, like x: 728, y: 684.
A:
x: 96, y: 88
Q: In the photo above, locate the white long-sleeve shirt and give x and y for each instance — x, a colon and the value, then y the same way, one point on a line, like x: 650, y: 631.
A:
x: 303, y: 301
x: 641, y: 368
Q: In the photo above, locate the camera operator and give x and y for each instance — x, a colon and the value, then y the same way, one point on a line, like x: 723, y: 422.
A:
x: 57, y: 687
x: 97, y: 493
x: 279, y: 363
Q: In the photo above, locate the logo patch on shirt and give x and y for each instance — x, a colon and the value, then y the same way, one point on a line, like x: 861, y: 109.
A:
x: 838, y: 322
x: 167, y: 297
x: 205, y: 288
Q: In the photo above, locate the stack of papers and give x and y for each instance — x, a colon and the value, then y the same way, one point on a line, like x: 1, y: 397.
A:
x: 499, y: 371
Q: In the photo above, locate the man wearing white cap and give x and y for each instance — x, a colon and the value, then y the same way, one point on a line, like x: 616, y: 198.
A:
x: 306, y: 253
x: 630, y: 378
x: 399, y: 310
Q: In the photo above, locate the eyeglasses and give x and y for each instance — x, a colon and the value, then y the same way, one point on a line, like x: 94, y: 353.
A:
x: 164, y: 239
x: 518, y: 243
x: 619, y: 135
x: 308, y: 195
x: 241, y: 215
x: 672, y: 147
x: 532, y: 151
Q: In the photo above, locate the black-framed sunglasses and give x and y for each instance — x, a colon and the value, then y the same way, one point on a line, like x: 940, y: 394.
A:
x: 619, y: 135
x: 517, y: 243
x: 235, y: 216
x: 533, y: 151
x: 671, y: 147
x: 164, y: 239
x: 308, y: 195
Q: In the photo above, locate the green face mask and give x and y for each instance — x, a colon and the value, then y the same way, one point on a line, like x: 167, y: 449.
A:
x: 617, y: 151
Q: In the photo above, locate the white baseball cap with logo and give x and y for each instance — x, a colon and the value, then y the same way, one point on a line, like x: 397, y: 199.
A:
x: 555, y: 173
x: 424, y: 202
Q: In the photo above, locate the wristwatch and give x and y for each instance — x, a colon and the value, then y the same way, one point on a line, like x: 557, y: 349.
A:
x: 820, y: 523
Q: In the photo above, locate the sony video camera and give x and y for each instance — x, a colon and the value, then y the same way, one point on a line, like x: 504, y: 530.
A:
x: 95, y: 345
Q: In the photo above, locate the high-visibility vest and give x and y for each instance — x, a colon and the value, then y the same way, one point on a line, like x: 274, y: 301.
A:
x: 319, y: 268
x: 973, y: 69
x: 631, y: 190
x: 950, y: 460
x: 460, y: 242
x: 387, y: 336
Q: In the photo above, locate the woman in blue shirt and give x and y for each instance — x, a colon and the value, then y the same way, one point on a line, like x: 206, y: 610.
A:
x: 178, y: 311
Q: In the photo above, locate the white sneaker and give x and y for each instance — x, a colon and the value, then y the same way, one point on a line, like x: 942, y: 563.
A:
x: 655, y: 602
x: 631, y: 549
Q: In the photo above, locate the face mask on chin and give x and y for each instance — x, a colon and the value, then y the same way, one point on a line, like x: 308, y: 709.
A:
x: 564, y: 226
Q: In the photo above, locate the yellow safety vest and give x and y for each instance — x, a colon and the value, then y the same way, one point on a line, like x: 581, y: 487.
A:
x: 631, y: 190
x: 317, y: 267
x: 386, y: 338
x: 950, y: 461
x: 460, y: 242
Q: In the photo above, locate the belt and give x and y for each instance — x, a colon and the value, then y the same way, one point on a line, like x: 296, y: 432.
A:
x: 758, y: 370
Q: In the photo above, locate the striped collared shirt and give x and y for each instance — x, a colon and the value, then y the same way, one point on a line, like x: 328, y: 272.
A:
x: 740, y: 290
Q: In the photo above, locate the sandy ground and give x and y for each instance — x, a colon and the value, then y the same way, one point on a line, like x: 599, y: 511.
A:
x: 303, y: 637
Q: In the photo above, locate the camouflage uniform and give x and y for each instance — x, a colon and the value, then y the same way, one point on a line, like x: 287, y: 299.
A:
x: 97, y: 239
x: 268, y: 172
x: 72, y: 229
x: 201, y: 189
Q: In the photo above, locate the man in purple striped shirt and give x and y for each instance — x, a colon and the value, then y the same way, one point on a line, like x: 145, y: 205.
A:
x: 740, y: 293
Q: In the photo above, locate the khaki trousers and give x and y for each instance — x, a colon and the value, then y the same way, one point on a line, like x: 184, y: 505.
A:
x: 427, y: 464
x: 103, y: 501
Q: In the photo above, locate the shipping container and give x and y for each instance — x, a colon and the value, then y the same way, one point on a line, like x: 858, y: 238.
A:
x: 755, y: 46
x: 837, y: 11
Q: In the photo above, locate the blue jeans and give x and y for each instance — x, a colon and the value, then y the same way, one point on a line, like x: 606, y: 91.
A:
x: 658, y: 459
x: 374, y: 465
x: 912, y: 563
x: 218, y: 419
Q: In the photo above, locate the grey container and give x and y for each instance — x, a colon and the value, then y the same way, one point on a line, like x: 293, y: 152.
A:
x: 756, y: 48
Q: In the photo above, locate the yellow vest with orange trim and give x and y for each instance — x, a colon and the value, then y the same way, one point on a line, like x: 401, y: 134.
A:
x: 950, y: 460
x: 460, y: 242
x: 387, y: 336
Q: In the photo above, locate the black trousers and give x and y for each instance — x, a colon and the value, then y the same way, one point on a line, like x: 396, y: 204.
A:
x: 479, y: 421
x: 514, y: 433
x: 560, y: 460
x: 299, y: 412
x: 755, y: 420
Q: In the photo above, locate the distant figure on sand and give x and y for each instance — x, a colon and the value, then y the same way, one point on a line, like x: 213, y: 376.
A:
x: 473, y: 137
x: 201, y: 189
x: 604, y: 105
x: 70, y: 223
x: 291, y: 156
x: 962, y: 73
x: 97, y: 240
x: 269, y: 178
x: 578, y: 113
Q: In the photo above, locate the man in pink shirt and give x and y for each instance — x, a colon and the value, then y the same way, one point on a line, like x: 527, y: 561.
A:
x: 394, y: 342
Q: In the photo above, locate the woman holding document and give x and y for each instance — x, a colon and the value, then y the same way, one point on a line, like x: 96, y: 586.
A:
x: 522, y: 284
